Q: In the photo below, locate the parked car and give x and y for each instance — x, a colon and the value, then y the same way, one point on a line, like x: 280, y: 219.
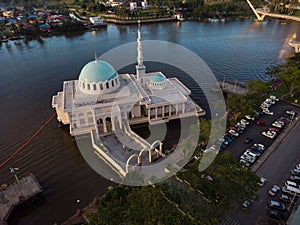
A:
x: 259, y: 146
x: 262, y: 181
x: 261, y: 123
x: 227, y: 138
x: 246, y: 204
x: 295, y: 178
x: 290, y: 112
x: 274, y: 98
x: 269, y: 134
x: 245, y: 122
x: 255, y: 151
x: 258, y: 113
x: 277, y: 205
x: 265, y: 105
x: 248, y: 117
x: 241, y: 125
x: 295, y: 172
x: 231, y: 136
x: 240, y: 128
x: 291, y: 184
x: 268, y: 112
x: 274, y: 190
x: 285, y: 198
x: 234, y: 133
x: 284, y: 120
x: 276, y: 215
x: 251, y: 153
x: 247, y: 158
x: 271, y: 101
x: 245, y: 163
x: 274, y: 129
x: 277, y: 124
x: 248, y: 140
x: 286, y: 117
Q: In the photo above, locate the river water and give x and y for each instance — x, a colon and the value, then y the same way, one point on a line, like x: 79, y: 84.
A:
x: 31, y: 73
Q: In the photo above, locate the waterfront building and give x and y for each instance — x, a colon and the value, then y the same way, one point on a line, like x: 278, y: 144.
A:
x: 103, y: 102
x: 133, y: 6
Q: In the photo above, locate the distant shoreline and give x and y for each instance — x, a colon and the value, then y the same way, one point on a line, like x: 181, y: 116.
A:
x: 128, y: 22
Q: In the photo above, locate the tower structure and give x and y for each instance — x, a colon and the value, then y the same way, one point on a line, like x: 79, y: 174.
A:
x: 140, y: 68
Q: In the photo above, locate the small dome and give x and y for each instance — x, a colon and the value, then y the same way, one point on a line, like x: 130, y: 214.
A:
x: 157, y: 78
x: 97, y: 71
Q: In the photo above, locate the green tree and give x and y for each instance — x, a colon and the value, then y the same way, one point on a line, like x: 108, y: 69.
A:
x: 289, y: 73
x: 258, y: 87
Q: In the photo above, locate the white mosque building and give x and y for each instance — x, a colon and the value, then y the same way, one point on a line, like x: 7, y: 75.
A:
x: 104, y: 102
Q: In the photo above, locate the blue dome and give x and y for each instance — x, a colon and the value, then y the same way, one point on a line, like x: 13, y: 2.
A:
x: 157, y: 78
x: 97, y: 71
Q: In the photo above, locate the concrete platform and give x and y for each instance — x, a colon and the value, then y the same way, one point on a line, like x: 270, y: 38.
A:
x: 17, y: 193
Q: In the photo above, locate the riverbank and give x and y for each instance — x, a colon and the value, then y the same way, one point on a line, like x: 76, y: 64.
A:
x: 129, y: 22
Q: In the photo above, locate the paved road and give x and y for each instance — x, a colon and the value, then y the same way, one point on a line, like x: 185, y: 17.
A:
x: 276, y: 169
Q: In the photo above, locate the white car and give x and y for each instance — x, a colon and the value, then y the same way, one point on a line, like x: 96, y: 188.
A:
x: 269, y: 134
x: 277, y: 124
x: 234, y: 133
x: 265, y: 105
x: 273, y: 97
x: 275, y: 189
x: 259, y: 146
x: 268, y: 100
x: 262, y: 181
x: 268, y: 112
x: 247, y: 158
x: 245, y: 122
x: 292, y: 113
x: 251, y: 154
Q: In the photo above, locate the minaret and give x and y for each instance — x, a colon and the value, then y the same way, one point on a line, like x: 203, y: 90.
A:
x: 140, y: 68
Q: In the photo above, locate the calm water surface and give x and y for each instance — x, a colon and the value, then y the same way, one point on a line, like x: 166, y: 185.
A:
x: 30, y: 74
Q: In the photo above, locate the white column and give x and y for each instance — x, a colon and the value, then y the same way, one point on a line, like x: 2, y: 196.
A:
x: 155, y: 112
x: 96, y: 125
x: 170, y: 109
x: 113, y: 123
x: 163, y: 111
x: 183, y: 107
x: 104, y: 126
x: 149, y: 114
x: 176, y: 109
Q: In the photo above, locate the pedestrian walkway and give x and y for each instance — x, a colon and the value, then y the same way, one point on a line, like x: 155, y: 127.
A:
x: 229, y: 221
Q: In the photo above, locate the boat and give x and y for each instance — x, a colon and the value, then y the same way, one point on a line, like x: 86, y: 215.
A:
x: 216, y: 19
x: 14, y: 38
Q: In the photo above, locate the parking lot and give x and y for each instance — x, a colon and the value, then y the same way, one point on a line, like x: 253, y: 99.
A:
x: 276, y: 167
x: 238, y: 146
